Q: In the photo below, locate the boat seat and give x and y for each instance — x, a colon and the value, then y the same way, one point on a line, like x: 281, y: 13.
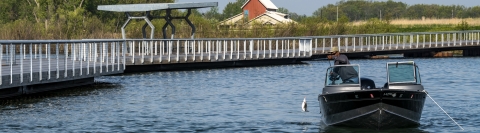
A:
x: 367, y: 83
x: 385, y: 86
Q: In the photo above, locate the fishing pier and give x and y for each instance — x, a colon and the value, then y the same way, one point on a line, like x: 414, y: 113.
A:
x: 31, y: 66
x: 182, y: 54
x: 416, y: 44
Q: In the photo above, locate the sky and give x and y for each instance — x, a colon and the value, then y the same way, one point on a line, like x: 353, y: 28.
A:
x: 307, y: 7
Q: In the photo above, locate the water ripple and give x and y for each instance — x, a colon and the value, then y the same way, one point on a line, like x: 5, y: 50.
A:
x: 251, y: 99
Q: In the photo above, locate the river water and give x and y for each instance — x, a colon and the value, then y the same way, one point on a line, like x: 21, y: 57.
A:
x: 250, y: 99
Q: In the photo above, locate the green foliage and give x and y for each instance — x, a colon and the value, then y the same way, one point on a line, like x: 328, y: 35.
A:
x: 283, y: 10
x: 463, y: 25
x: 375, y: 25
x: 341, y: 26
x: 423, y: 28
x: 213, y: 14
x: 78, y: 19
x: 232, y: 9
x: 357, y: 10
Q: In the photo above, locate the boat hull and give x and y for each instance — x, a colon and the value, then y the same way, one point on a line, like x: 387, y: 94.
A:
x: 375, y: 109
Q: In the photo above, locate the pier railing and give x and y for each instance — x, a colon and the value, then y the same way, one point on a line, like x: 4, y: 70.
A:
x: 26, y: 62
x: 159, y: 51
x: 394, y: 41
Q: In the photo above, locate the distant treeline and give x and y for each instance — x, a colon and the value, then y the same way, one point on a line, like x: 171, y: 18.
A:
x: 363, y: 10
x: 357, y: 10
x: 78, y: 19
x: 61, y: 19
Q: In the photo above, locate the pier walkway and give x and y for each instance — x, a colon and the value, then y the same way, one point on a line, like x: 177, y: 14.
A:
x: 416, y: 44
x: 177, y: 54
x: 30, y: 66
x: 145, y: 55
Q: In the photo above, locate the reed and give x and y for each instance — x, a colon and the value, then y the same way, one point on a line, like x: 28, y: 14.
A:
x: 27, y: 30
x: 428, y: 21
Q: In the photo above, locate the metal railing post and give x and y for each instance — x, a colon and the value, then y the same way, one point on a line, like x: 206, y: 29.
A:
x: 448, y: 39
x: 231, y: 49
x: 459, y: 38
x: 106, y: 57
x: 48, y: 53
x: 57, y: 55
x: 288, y: 48
x: 21, y: 63
x: 270, y: 48
x: 276, y: 48
x: 354, y: 43
x: 12, y: 52
x: 40, y: 68
x: 323, y: 48
x: 361, y: 43
x: 383, y: 42
x: 346, y: 44
x: 338, y: 43
x: 293, y: 46
x: 283, y: 47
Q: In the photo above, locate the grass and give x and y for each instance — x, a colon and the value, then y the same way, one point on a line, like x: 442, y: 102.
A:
x: 429, y: 21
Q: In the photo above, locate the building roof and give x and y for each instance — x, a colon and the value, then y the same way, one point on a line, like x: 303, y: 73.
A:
x: 268, y: 17
x: 279, y: 17
x: 155, y: 6
x: 232, y: 20
x: 267, y: 3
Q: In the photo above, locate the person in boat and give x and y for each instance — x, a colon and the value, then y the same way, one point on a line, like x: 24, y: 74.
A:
x: 347, y: 73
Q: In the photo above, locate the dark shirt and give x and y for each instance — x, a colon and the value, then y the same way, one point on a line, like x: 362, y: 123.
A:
x: 345, y: 72
x: 341, y: 60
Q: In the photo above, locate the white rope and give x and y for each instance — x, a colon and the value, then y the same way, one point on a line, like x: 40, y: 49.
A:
x: 443, y: 110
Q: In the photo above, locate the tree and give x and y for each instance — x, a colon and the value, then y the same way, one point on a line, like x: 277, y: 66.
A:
x: 213, y: 14
x: 283, y: 10
x: 233, y: 8
x: 296, y: 17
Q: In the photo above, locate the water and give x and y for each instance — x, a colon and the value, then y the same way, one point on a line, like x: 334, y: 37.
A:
x: 253, y: 99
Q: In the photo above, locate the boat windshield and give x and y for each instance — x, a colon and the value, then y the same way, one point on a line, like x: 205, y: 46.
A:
x: 403, y: 72
x: 343, y: 75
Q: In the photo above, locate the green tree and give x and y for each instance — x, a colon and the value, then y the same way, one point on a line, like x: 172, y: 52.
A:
x: 213, y: 14
x: 283, y: 10
x: 232, y: 9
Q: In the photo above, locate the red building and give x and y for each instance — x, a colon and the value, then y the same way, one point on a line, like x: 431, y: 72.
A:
x: 263, y: 11
x: 254, y: 8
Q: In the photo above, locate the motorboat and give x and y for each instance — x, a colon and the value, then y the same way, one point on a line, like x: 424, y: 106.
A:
x: 397, y: 104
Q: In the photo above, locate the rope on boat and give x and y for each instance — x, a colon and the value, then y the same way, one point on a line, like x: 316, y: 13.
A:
x: 443, y: 110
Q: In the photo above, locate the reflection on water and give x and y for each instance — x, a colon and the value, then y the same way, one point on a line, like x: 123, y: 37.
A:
x: 254, y: 99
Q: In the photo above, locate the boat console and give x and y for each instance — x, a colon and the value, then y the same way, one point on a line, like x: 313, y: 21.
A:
x: 400, y: 75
